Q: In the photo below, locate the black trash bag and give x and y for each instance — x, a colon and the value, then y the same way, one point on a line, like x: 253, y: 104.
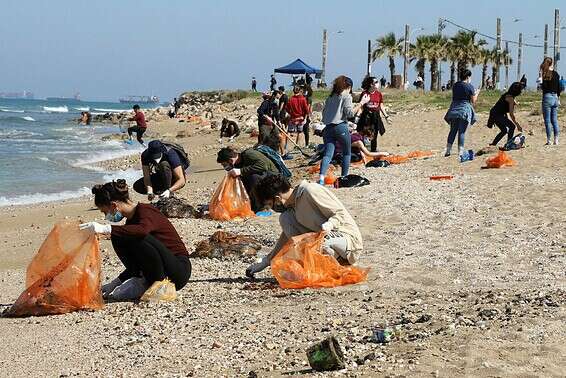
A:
x: 378, y: 164
x: 351, y: 181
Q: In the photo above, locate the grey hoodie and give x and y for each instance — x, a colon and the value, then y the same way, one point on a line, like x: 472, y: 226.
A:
x: 337, y: 109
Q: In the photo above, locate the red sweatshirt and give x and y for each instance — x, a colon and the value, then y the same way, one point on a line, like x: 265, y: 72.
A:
x: 148, y: 220
x: 298, y: 108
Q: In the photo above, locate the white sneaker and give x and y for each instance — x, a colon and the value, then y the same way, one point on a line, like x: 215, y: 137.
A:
x: 109, y: 287
x: 132, y: 288
x: 257, y: 267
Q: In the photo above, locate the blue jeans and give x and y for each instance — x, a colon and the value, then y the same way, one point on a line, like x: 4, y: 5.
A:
x: 457, y: 126
x: 331, y: 135
x: 550, y: 114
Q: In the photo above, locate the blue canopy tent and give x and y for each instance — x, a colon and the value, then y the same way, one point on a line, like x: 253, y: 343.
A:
x: 298, y: 67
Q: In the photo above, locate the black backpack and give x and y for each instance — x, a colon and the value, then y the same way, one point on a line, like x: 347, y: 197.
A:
x: 351, y: 181
x: 185, y: 161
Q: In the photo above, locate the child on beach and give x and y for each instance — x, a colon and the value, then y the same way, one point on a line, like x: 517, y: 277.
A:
x: 309, y: 208
x: 461, y: 113
x: 147, y: 244
x: 498, y: 113
x: 338, y: 108
x: 140, y: 127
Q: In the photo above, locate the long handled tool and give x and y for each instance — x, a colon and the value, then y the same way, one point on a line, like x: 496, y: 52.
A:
x: 292, y: 141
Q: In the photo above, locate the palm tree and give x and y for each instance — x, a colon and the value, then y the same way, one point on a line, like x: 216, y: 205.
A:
x: 389, y: 46
x: 467, y: 50
x: 486, y: 58
x: 431, y: 48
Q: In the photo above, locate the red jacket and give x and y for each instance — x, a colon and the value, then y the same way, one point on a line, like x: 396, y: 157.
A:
x: 298, y: 108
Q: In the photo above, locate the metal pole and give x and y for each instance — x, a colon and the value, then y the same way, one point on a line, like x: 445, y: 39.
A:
x: 439, y: 83
x: 369, y: 58
x: 324, y: 53
x: 406, y: 56
x: 545, y: 40
x: 498, y: 46
x: 556, y: 37
x: 506, y: 64
x: 519, y: 56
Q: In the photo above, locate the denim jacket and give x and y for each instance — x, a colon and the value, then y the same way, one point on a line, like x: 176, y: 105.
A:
x: 461, y: 109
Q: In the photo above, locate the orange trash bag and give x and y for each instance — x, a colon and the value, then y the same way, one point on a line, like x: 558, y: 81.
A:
x: 419, y: 154
x: 499, y: 160
x: 394, y: 159
x: 300, y: 264
x: 64, y: 275
x: 230, y: 200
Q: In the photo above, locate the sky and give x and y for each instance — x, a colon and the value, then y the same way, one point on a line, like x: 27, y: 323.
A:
x: 107, y: 48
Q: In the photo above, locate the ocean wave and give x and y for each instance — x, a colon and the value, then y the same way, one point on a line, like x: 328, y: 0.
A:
x: 103, y: 156
x: 27, y: 199
x: 16, y: 134
x: 82, y: 108
x: 28, y: 118
x: 130, y: 175
x: 56, y: 109
x: 113, y: 110
x: 9, y: 110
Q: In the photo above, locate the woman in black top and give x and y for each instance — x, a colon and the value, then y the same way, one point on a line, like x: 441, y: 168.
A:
x: 498, y: 114
x: 550, y: 98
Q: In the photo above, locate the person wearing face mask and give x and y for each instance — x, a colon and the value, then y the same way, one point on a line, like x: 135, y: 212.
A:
x: 308, y: 208
x: 164, y: 170
x: 371, y: 111
x: 338, y: 108
x: 147, y: 244
x: 251, y: 165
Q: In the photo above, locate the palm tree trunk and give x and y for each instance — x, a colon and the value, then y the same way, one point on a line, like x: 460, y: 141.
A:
x: 434, y: 75
x: 453, y: 73
x: 494, y: 74
x: 483, y: 76
x: 392, y: 68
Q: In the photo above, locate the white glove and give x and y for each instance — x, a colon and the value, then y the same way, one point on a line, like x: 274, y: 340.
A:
x: 234, y: 172
x: 165, y: 194
x: 231, y: 139
x: 96, y: 227
x: 365, y: 99
x: 327, y: 226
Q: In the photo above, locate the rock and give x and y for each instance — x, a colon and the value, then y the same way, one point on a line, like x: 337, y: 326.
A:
x: 487, y: 150
x: 222, y: 245
x: 175, y: 207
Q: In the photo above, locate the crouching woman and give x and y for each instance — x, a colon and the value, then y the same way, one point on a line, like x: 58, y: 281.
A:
x: 309, y: 208
x: 147, y: 244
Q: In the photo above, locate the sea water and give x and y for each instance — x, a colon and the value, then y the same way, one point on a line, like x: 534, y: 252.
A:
x: 46, y: 156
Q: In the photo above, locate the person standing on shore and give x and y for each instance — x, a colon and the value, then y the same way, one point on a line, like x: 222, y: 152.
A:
x: 254, y: 84
x: 550, y: 99
x: 298, y: 110
x: 371, y: 113
x: 272, y: 83
x: 141, y: 125
x: 164, y: 171
x: 461, y: 114
x: 147, y: 244
x: 307, y: 92
x: 498, y: 113
x: 338, y: 108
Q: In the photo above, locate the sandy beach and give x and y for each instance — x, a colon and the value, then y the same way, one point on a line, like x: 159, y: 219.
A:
x: 471, y: 270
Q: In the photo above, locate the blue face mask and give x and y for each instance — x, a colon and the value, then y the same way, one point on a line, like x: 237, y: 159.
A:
x: 116, y: 217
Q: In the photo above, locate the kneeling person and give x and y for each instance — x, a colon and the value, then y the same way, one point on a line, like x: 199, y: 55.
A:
x: 251, y: 165
x: 148, y: 245
x: 163, y: 171
x: 307, y: 208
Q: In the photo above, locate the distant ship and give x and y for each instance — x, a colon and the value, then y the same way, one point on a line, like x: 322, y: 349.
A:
x: 75, y: 98
x: 154, y: 100
x: 25, y: 95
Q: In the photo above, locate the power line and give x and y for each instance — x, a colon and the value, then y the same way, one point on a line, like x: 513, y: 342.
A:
x: 492, y: 37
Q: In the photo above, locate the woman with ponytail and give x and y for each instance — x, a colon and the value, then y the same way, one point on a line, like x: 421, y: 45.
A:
x: 147, y: 243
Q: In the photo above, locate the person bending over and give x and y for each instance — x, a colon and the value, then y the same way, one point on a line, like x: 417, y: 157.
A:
x: 147, y: 244
x: 307, y: 208
x: 229, y: 129
x: 140, y: 127
x: 164, y: 171
x: 251, y: 165
x: 359, y: 149
x: 498, y: 113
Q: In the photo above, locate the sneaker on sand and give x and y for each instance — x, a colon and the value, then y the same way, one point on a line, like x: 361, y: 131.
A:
x: 132, y: 288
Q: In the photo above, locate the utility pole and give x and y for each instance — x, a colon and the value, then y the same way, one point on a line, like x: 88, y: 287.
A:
x: 519, y: 56
x: 556, y: 37
x: 498, y: 46
x: 324, y: 52
x: 369, y: 58
x: 545, y: 40
x: 506, y: 64
x: 406, y: 56
x: 440, y: 28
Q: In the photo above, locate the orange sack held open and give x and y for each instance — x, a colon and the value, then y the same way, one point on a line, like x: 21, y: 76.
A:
x: 301, y: 264
x: 64, y: 275
x: 419, y: 154
x: 230, y: 200
x: 394, y: 159
x: 500, y: 160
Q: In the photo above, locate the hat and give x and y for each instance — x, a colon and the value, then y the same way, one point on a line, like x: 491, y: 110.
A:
x: 155, y: 148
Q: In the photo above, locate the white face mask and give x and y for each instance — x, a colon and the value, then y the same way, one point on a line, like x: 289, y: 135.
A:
x: 159, y: 159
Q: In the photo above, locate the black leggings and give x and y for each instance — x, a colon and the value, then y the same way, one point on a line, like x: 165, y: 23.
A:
x: 148, y: 256
x: 506, y: 126
x: 139, y: 132
x: 306, y: 131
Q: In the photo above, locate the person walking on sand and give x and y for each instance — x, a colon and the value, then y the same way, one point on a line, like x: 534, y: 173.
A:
x: 164, y: 170
x: 140, y: 127
x: 461, y: 113
x: 371, y: 112
x: 267, y: 118
x: 298, y: 110
x: 338, y: 108
x: 254, y: 84
x: 308, y: 208
x: 498, y: 114
x: 550, y: 99
x: 148, y: 245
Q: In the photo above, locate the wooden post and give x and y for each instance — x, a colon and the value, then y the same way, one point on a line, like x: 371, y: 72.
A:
x: 498, y: 47
x: 545, y: 40
x: 556, y: 37
x: 324, y: 54
x: 506, y: 64
x: 519, y: 56
x: 369, y: 58
x: 406, y: 56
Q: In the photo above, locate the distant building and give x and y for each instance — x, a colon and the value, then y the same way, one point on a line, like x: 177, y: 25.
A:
x: 17, y: 95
